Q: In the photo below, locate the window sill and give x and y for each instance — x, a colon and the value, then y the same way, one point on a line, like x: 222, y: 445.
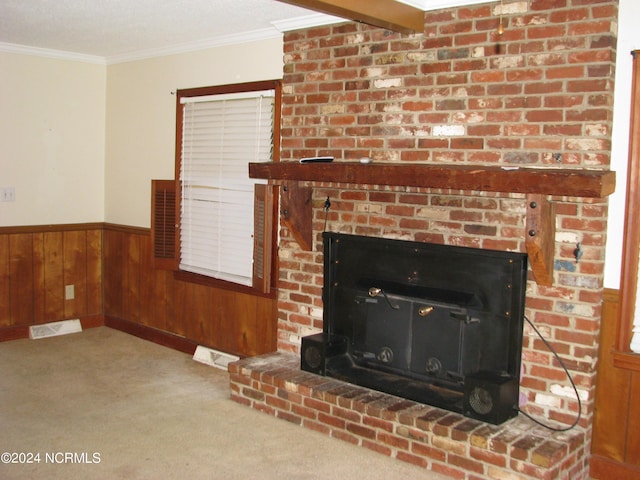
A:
x: 626, y: 360
x: 190, y: 277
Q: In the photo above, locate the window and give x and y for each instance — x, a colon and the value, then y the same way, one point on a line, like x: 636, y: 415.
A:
x: 224, y: 217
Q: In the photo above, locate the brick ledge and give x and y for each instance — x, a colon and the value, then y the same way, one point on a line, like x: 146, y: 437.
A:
x: 429, y: 437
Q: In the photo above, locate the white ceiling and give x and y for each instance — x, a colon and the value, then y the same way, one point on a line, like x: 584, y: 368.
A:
x: 119, y: 30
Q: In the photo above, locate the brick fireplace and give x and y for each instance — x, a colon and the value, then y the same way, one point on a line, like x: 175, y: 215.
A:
x: 539, y: 96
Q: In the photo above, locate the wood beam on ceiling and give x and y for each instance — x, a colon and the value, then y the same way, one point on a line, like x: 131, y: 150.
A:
x: 388, y: 14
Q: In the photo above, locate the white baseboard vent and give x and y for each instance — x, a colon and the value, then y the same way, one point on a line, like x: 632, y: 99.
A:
x: 54, y: 329
x: 213, y: 358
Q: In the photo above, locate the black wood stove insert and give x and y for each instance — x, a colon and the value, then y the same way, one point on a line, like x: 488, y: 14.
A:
x: 437, y: 324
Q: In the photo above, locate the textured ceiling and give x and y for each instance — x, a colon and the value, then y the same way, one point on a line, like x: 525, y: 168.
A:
x: 119, y: 28
x: 107, y: 28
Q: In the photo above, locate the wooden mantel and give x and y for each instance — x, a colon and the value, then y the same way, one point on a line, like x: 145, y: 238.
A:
x: 546, y: 181
x: 537, y: 183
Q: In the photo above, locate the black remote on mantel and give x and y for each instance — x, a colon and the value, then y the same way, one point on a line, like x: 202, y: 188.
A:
x: 316, y: 160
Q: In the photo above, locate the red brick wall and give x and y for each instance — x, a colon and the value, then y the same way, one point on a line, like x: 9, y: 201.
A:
x: 539, y: 95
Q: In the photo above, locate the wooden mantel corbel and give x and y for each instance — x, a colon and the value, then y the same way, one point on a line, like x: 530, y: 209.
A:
x: 296, y: 212
x: 540, y: 237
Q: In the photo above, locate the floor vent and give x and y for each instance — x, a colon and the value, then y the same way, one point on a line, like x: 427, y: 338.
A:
x: 211, y: 357
x: 54, y: 329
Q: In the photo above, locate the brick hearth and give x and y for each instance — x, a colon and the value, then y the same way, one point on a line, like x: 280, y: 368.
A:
x: 435, y: 439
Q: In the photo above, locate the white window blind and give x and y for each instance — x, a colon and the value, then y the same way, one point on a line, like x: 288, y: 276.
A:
x: 221, y: 134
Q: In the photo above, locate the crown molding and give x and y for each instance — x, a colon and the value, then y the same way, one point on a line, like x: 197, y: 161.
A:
x: 319, y: 19
x: 428, y: 5
x: 307, y: 21
x: 225, y: 40
x: 213, y: 42
x: 51, y: 53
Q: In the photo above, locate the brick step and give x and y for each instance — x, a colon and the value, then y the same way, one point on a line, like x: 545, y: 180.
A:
x: 432, y: 438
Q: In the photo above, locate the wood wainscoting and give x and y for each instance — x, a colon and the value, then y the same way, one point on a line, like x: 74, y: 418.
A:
x: 37, y: 263
x: 115, y: 283
x: 138, y: 295
x: 616, y: 431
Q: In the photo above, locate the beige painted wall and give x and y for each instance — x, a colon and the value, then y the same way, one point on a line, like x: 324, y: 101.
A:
x: 52, y: 123
x: 140, y: 143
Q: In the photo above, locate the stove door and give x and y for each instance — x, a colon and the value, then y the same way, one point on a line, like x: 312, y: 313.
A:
x: 382, y: 336
x: 436, y: 341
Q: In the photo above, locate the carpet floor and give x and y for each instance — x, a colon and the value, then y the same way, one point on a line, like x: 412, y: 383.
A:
x: 103, y: 404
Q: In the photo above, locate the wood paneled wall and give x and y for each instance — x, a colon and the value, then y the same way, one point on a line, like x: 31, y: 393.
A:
x: 616, y: 429
x: 36, y: 263
x: 134, y: 291
x: 115, y: 283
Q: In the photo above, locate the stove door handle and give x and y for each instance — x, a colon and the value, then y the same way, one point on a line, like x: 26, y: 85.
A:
x: 375, y: 291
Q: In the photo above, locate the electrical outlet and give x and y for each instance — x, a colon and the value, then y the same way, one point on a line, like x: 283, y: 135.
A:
x: 69, y: 292
x: 7, y: 194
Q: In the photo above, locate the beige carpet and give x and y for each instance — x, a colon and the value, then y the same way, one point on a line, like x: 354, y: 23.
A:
x: 102, y: 404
